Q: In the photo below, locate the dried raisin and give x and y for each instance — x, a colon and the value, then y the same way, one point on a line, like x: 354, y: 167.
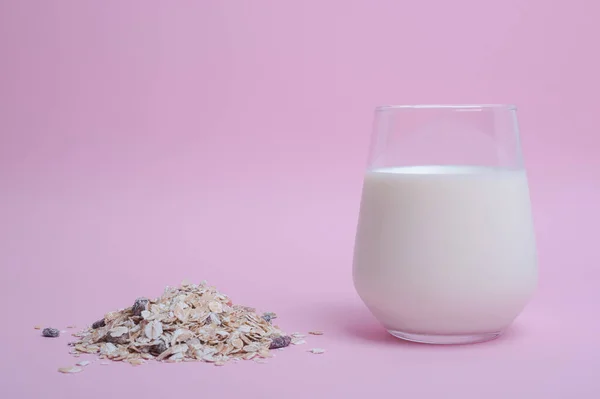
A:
x: 280, y: 342
x: 50, y: 332
x: 158, y: 348
x: 99, y: 323
x: 268, y: 316
x: 139, y: 306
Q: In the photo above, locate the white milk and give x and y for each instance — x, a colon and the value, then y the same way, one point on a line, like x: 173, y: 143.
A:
x: 444, y: 249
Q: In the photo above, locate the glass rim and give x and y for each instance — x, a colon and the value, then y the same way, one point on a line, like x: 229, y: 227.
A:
x: 510, y: 107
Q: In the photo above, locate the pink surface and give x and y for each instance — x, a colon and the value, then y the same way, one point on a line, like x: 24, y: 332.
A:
x: 143, y: 142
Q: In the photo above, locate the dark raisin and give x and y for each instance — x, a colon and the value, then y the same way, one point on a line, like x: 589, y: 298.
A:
x: 280, y: 342
x: 158, y: 348
x: 269, y: 316
x: 50, y: 332
x: 139, y: 306
x: 98, y: 324
x: 123, y: 339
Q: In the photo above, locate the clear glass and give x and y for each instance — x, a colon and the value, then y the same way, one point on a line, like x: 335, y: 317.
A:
x: 445, y: 248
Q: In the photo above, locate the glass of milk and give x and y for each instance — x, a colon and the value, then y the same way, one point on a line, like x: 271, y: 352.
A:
x: 445, y: 248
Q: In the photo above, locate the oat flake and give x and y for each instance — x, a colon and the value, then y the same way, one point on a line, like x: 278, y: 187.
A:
x: 153, y: 329
x: 215, y: 307
x: 118, y: 331
x: 70, y: 370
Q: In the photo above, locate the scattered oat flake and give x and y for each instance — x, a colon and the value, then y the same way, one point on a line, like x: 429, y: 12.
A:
x: 298, y: 342
x: 298, y: 335
x: 84, y: 363
x: 37, y: 327
x: 317, y: 351
x: 219, y: 363
x: 70, y: 370
x: 316, y: 332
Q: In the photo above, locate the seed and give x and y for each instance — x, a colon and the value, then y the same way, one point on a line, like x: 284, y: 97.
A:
x: 50, y: 332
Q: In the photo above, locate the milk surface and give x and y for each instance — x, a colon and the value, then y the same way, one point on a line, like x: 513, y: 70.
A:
x: 445, y: 249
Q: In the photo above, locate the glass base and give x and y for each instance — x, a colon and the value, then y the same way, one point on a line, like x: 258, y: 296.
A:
x: 459, y: 339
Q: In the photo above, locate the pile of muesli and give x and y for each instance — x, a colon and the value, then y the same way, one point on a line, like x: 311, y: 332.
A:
x: 193, y: 322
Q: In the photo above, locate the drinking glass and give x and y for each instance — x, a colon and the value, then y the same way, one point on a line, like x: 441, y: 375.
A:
x: 445, y: 248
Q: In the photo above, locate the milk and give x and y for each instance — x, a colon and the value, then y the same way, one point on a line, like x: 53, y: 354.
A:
x: 445, y: 249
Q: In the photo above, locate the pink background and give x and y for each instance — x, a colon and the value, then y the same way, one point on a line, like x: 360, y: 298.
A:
x: 144, y: 142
